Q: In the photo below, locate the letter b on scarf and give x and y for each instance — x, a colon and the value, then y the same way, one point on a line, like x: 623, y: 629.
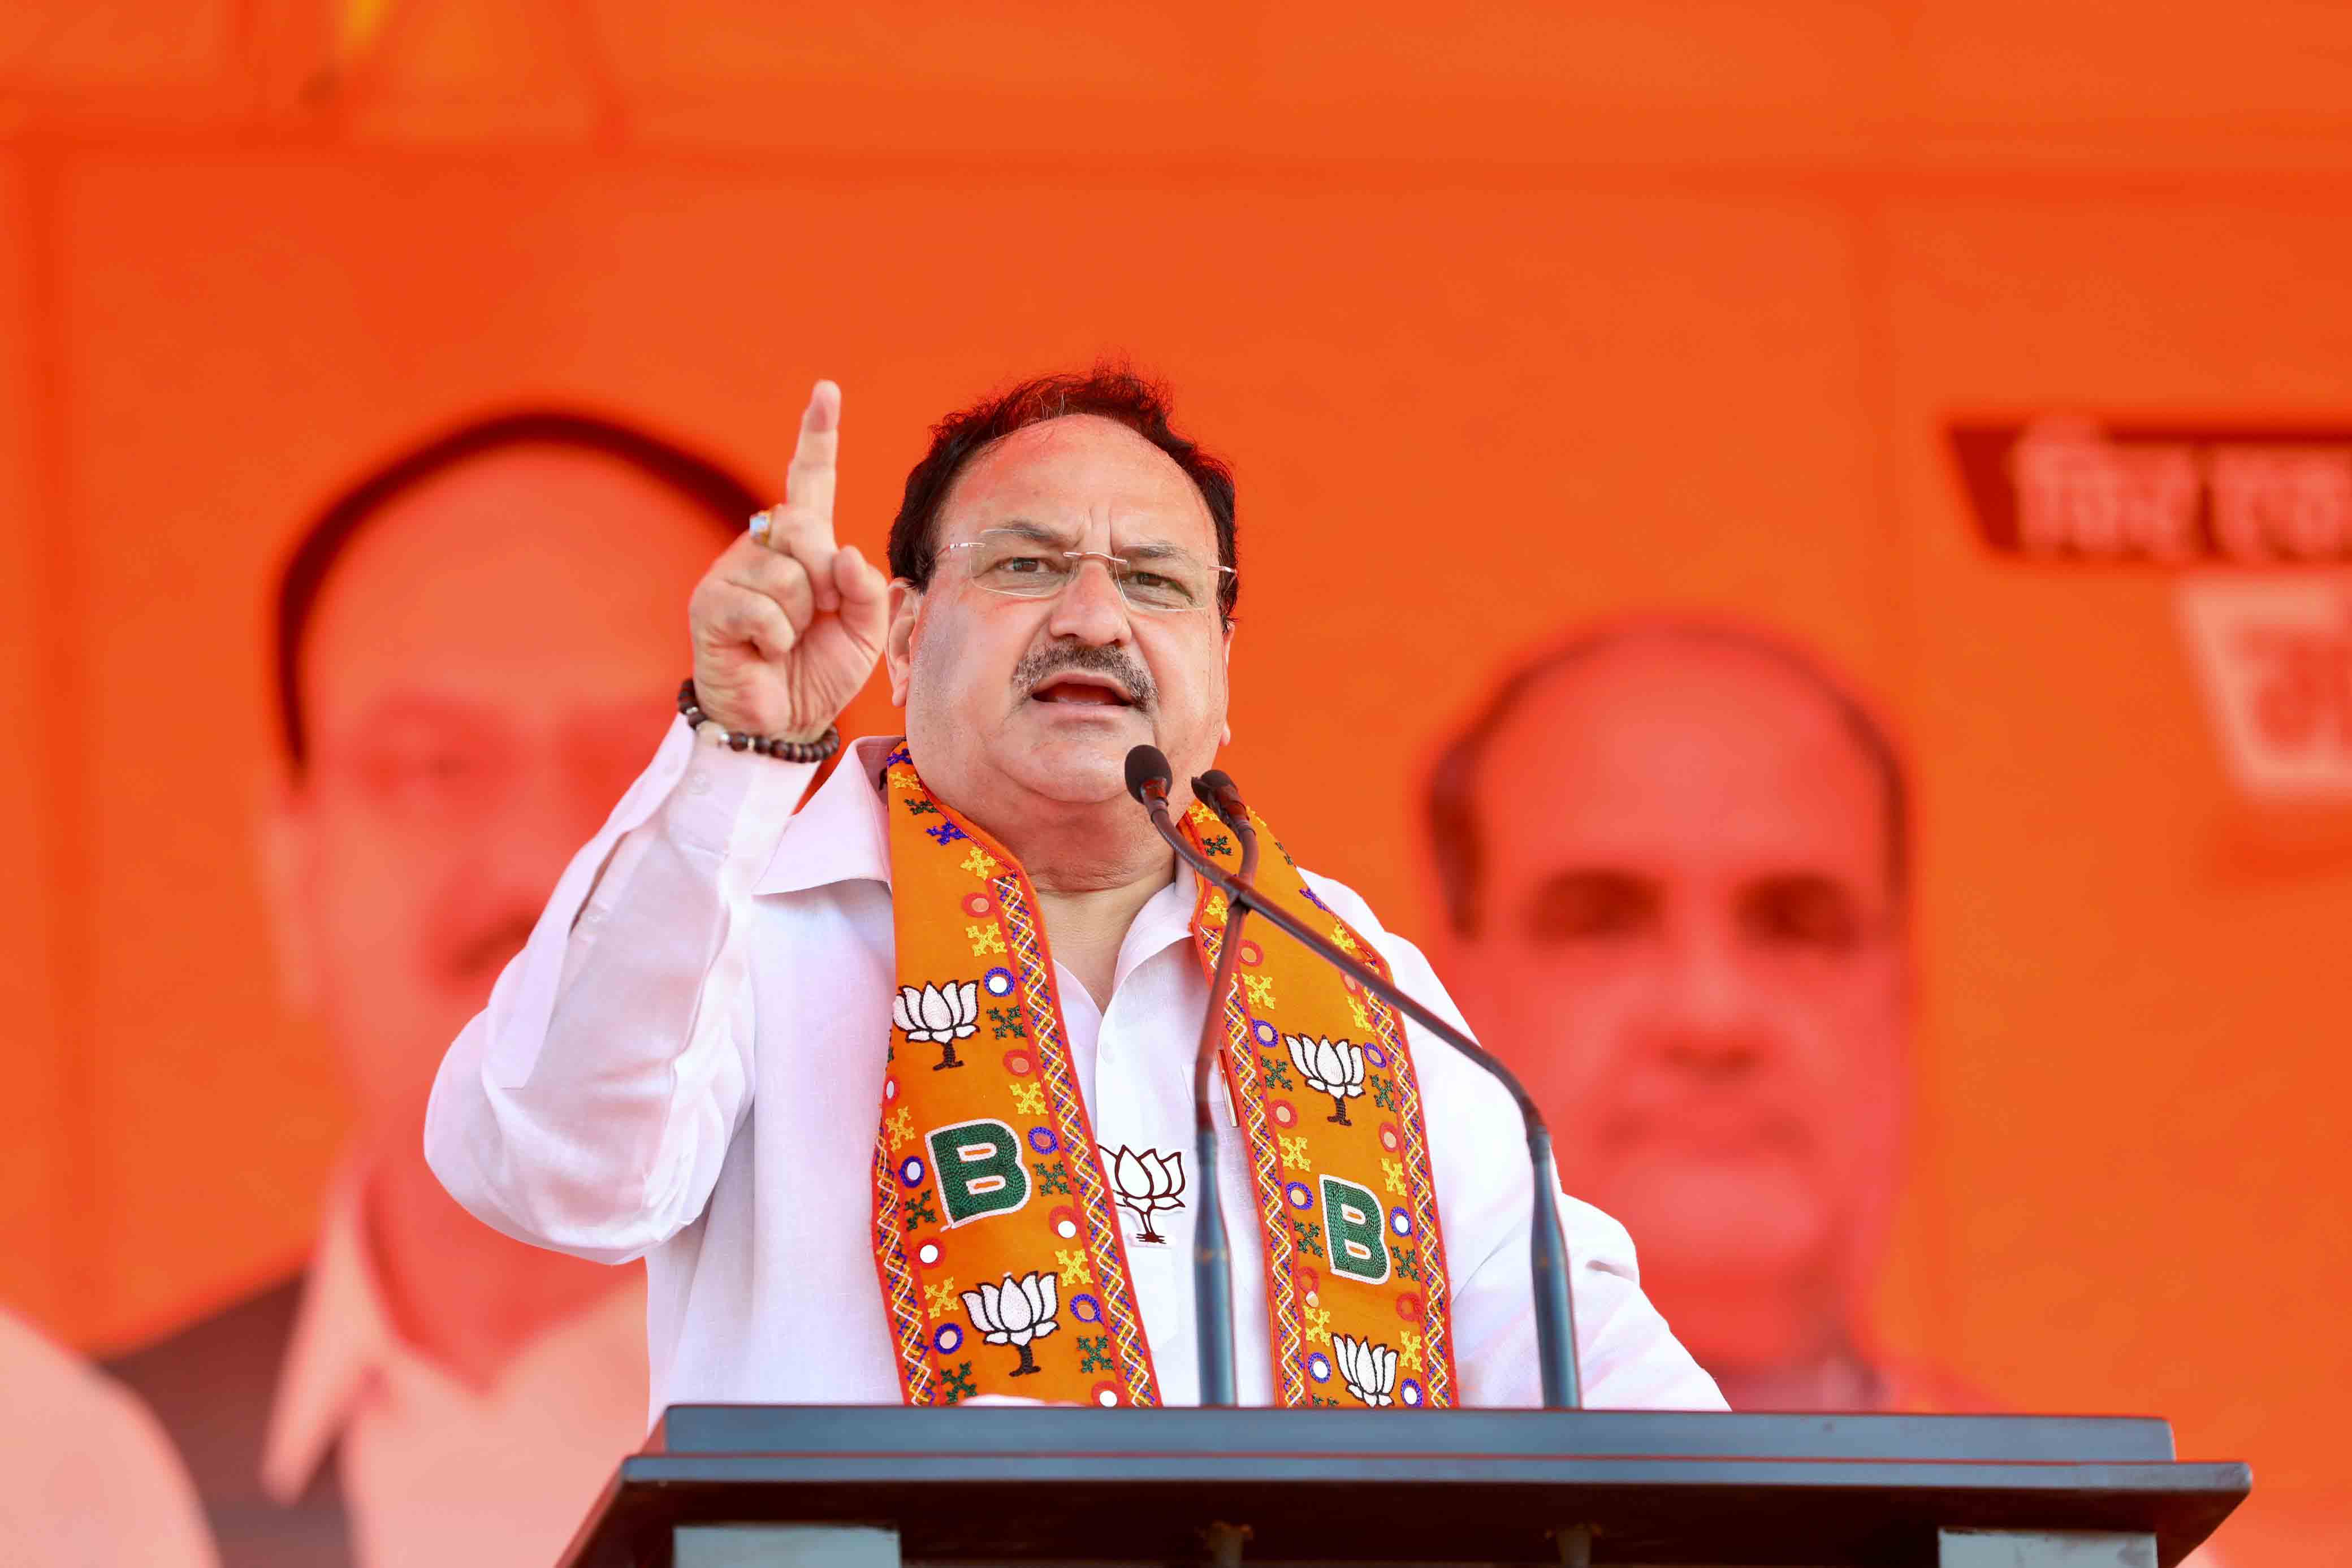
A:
x: 981, y: 1172
x: 1351, y: 1218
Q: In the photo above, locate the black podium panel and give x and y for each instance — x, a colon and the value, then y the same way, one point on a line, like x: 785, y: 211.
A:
x: 1323, y: 1485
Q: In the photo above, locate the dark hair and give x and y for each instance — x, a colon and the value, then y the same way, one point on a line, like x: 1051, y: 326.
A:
x: 725, y: 497
x: 1458, y: 844
x: 1109, y: 392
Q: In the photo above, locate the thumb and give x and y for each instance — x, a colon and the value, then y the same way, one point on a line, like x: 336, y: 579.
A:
x: 864, y: 588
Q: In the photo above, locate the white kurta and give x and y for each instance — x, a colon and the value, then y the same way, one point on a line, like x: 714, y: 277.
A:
x: 436, y: 1474
x: 685, y: 1064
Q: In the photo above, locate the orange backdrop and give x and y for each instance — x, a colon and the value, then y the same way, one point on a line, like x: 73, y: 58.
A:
x: 1506, y: 320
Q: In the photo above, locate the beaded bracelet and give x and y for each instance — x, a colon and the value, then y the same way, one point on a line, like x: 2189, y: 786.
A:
x: 689, y: 707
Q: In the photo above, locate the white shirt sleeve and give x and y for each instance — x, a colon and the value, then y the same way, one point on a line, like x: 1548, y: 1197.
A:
x: 588, y: 1108
x: 1627, y: 1358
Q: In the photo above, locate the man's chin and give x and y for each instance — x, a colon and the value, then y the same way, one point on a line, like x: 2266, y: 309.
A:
x: 1734, y: 1214
x: 1079, y: 770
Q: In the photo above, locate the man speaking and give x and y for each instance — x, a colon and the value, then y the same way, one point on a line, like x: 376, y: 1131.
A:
x: 892, y: 1093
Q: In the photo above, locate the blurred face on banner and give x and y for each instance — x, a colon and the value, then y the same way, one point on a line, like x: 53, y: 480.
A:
x: 1686, y: 942
x: 489, y: 666
x: 1014, y: 704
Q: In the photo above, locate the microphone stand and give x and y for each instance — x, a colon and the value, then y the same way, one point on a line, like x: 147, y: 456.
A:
x: 1547, y: 1239
x: 1213, y: 1267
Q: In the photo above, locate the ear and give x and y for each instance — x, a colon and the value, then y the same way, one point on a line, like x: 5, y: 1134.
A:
x: 1227, y: 653
x: 899, y: 642
x: 285, y: 843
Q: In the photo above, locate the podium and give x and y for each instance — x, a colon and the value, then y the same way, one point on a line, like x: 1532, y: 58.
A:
x: 858, y: 1487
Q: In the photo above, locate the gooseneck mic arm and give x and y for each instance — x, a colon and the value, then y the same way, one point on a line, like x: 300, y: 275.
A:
x: 1147, y: 780
x: 1213, y: 1264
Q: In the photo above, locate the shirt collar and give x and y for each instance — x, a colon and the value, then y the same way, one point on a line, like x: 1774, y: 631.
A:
x: 841, y: 835
x: 1165, y: 920
x: 342, y: 1343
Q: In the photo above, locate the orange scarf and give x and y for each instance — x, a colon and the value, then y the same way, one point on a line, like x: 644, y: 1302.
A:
x: 1002, y: 1262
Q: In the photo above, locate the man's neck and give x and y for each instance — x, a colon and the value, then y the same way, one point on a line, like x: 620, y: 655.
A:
x: 1087, y: 929
x: 1094, y: 872
x: 1773, y: 1338
x: 460, y: 1295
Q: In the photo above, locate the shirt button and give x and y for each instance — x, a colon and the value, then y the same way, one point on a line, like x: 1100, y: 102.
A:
x: 699, y: 785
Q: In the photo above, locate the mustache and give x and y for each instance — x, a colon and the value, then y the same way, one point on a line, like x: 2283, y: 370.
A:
x: 1747, y: 1119
x: 1042, y: 664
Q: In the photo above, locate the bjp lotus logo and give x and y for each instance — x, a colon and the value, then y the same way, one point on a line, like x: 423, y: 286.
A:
x: 1369, y: 1370
x: 1021, y: 1311
x: 941, y: 1015
x: 1333, y: 1067
x: 1149, y: 1183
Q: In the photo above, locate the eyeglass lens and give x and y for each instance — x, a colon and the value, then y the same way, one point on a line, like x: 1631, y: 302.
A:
x: 1027, y: 567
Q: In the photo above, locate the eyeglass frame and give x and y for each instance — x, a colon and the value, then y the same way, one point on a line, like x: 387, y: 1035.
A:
x: 1114, y: 565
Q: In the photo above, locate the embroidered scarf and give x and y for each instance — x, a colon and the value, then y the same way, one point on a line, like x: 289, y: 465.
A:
x: 998, y: 1223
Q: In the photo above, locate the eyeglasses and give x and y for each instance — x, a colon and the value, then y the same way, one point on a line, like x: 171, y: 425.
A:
x: 1020, y: 565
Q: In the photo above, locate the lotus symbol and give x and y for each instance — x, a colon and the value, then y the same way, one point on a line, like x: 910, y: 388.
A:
x: 1369, y: 1370
x: 1149, y: 1183
x: 1020, y: 1311
x: 1333, y: 1067
x: 941, y: 1014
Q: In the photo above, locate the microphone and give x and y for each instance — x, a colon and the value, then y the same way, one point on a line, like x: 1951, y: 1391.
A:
x: 1225, y: 799
x: 1149, y: 776
x: 1548, y: 1262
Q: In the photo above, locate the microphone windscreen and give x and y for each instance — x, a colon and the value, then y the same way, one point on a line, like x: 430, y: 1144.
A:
x: 1216, y: 787
x: 1147, y: 766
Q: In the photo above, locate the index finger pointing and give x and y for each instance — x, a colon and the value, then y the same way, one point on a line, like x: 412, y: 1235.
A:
x: 808, y: 483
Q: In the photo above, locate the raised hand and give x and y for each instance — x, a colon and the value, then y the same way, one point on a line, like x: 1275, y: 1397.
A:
x: 787, y: 625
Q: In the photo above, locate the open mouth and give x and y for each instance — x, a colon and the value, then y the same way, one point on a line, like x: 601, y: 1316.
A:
x: 1083, y: 691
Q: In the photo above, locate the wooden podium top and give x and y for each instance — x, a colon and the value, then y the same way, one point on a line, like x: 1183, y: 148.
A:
x: 1333, y: 1486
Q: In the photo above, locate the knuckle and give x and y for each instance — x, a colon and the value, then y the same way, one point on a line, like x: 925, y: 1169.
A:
x: 741, y: 614
x: 809, y: 558
x: 782, y: 589
x: 769, y: 635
